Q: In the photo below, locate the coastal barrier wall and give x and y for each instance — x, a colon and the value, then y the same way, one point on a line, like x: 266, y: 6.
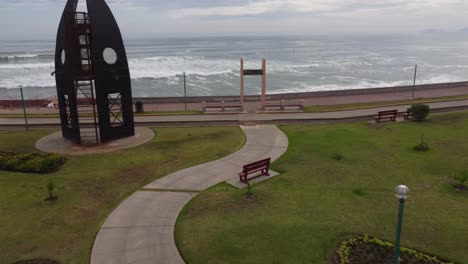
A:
x: 251, y: 98
x: 292, y: 96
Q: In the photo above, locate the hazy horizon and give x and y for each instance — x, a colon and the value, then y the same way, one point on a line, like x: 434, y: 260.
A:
x: 456, y: 34
x: 142, y: 19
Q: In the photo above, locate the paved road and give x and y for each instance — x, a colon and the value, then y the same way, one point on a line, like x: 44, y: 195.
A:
x: 236, y: 119
x: 141, y: 229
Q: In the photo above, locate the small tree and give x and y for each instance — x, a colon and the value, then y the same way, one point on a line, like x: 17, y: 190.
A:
x: 50, y: 189
x: 419, y: 111
x: 461, y: 178
x: 422, y: 146
x: 249, y: 189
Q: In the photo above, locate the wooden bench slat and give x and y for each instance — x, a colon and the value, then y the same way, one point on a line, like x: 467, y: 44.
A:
x: 284, y: 104
x: 255, y: 167
x: 261, y: 165
x: 389, y: 115
x: 221, y: 105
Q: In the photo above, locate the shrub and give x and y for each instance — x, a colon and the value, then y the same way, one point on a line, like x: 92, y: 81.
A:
x: 422, y: 146
x: 420, y: 111
x: 249, y: 189
x: 360, y: 191
x: 30, y: 162
x: 50, y: 188
x: 461, y: 178
x: 369, y: 250
x: 337, y: 156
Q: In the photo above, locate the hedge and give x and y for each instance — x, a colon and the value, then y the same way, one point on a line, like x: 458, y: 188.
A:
x: 30, y: 162
x: 364, y: 249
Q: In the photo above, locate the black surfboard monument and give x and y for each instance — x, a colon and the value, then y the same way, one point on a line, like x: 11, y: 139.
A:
x: 92, y: 76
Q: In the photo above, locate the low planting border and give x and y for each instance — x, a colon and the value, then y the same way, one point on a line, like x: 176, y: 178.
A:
x: 364, y: 249
x: 30, y: 162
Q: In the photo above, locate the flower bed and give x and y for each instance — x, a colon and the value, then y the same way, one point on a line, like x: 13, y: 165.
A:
x: 370, y: 250
x: 37, y: 261
x: 30, y: 162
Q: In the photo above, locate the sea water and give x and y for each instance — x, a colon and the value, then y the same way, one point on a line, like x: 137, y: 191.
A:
x: 294, y: 64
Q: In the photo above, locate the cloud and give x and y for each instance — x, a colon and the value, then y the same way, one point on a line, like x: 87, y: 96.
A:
x: 308, y: 6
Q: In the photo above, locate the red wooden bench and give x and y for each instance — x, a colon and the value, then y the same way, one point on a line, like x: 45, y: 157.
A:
x: 299, y: 104
x: 283, y: 104
x: 261, y: 165
x: 389, y: 115
x: 408, y: 115
x: 222, y: 105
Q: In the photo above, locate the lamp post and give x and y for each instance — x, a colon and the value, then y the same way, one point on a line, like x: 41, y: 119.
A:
x: 401, y: 192
x: 24, y: 109
x: 185, y: 93
x: 414, y: 81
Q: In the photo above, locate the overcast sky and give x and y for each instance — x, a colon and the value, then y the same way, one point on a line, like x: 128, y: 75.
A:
x: 38, y: 19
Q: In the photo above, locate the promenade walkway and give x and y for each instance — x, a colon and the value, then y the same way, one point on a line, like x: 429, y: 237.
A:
x: 239, y: 119
x: 141, y: 229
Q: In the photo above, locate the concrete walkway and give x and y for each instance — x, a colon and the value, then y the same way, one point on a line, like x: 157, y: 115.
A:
x: 239, y: 119
x: 141, y: 229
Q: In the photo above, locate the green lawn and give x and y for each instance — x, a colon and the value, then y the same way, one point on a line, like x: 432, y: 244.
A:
x: 89, y: 187
x: 300, y: 216
x: 343, y: 107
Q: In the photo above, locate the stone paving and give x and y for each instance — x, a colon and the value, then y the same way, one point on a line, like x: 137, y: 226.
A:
x: 141, y: 229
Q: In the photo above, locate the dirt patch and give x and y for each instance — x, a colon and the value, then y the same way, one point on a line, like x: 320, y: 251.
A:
x: 250, y: 197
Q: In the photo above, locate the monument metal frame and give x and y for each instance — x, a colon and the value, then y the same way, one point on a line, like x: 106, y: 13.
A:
x: 92, y: 75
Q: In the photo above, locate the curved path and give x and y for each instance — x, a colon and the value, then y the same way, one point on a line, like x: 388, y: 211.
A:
x: 141, y: 229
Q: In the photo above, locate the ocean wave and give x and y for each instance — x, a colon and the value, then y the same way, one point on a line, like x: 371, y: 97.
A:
x: 38, y: 80
x: 208, y: 71
x: 28, y: 66
x: 168, y: 66
x: 307, y: 87
x: 22, y: 56
x: 28, y: 58
x: 299, y: 87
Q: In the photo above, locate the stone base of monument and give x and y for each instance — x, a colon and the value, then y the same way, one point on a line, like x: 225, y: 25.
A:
x: 55, y: 143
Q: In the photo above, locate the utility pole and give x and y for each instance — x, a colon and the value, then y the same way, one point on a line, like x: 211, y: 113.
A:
x: 185, y: 93
x: 24, y: 110
x: 414, y: 81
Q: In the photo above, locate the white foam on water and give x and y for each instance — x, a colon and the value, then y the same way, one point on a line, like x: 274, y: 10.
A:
x: 307, y: 87
x: 168, y: 66
x: 19, y: 56
x: 28, y: 66
x: 440, y: 79
x: 28, y: 80
x: 199, y: 69
x: 298, y: 87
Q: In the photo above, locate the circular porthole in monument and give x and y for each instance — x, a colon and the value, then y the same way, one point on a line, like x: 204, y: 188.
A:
x: 62, y: 56
x: 109, y: 55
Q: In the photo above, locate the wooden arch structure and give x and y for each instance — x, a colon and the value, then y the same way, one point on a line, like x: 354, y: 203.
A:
x: 244, y: 72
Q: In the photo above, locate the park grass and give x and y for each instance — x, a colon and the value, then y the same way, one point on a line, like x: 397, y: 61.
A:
x: 367, y: 105
x: 56, y: 115
x: 301, y: 215
x: 89, y: 187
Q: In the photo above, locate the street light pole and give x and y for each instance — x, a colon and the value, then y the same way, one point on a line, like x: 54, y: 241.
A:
x: 24, y: 110
x: 185, y: 93
x: 414, y: 80
x: 398, y: 232
x: 402, y: 193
